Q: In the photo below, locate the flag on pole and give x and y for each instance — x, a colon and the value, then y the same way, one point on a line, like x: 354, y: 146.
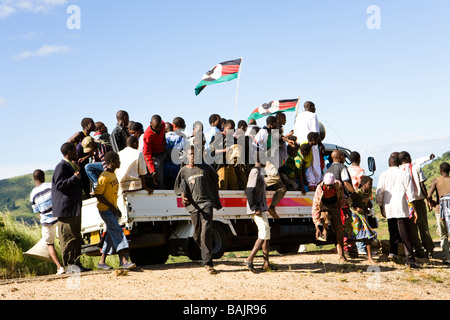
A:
x: 224, y: 71
x: 273, y: 107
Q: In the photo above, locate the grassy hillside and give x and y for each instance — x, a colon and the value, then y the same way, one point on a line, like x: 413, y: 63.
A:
x: 15, y: 196
x: 432, y: 170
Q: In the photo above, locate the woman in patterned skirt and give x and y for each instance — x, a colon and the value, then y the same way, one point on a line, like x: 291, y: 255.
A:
x: 356, y: 226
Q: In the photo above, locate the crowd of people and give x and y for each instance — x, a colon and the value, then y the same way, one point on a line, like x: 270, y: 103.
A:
x: 224, y: 156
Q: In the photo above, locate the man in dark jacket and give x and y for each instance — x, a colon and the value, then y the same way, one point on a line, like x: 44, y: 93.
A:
x: 120, y: 133
x: 66, y: 197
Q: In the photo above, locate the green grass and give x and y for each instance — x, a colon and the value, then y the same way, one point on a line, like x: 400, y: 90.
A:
x: 17, y: 237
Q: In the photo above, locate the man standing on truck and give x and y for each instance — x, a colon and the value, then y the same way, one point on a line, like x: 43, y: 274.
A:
x: 306, y: 122
x: 154, y: 149
x: 119, y: 135
x: 198, y: 185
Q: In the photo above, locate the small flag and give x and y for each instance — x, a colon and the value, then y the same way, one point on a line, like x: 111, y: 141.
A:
x: 224, y: 71
x: 273, y: 107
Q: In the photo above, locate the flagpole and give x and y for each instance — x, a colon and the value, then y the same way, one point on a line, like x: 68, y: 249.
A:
x: 237, y: 90
x: 296, y: 110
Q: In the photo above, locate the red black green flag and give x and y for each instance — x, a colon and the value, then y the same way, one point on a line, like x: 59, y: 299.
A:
x: 224, y: 71
x: 273, y: 107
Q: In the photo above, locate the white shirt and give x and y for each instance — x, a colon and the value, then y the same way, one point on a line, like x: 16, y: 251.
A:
x: 417, y: 177
x: 249, y: 129
x: 132, y: 166
x: 261, y: 138
x: 209, y: 134
x: 305, y: 123
x: 394, y: 186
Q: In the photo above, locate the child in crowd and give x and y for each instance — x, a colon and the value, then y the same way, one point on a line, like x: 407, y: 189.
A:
x: 356, y: 226
x: 106, y: 193
x: 302, y: 161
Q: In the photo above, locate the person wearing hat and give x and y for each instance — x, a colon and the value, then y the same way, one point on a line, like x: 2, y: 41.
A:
x: 97, y: 150
x: 327, y: 203
x: 85, y: 151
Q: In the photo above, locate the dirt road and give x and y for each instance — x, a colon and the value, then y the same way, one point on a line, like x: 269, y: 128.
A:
x: 305, y: 276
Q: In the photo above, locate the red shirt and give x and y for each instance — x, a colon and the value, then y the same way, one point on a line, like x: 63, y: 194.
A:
x: 154, y: 143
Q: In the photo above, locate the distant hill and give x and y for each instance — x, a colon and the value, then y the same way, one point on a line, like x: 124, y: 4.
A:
x: 15, y: 196
x: 431, y: 170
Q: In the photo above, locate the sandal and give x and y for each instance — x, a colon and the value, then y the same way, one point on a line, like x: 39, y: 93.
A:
x: 271, y: 267
x: 211, y: 270
x: 250, y: 266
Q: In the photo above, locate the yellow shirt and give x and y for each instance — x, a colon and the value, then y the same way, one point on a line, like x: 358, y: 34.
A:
x: 307, y: 160
x: 108, y: 186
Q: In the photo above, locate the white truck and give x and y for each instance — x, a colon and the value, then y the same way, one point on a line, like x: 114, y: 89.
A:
x: 158, y: 225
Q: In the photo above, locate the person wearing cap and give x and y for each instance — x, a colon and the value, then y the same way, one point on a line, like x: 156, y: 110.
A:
x: 327, y: 204
x: 98, y: 148
x: 85, y: 151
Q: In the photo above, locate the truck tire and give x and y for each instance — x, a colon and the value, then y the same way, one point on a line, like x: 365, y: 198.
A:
x: 149, y: 256
x: 218, y: 244
x: 288, y: 248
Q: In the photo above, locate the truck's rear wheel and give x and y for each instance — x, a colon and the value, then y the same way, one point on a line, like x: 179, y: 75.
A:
x: 288, y: 248
x: 148, y: 256
x: 218, y: 244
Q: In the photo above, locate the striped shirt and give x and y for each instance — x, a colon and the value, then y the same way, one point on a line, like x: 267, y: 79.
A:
x: 41, y: 201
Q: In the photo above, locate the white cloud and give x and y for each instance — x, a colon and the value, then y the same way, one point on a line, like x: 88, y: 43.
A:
x: 6, y: 11
x: 44, y: 51
x: 9, y: 7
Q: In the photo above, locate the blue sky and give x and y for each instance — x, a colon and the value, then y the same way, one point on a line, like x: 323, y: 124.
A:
x: 375, y: 90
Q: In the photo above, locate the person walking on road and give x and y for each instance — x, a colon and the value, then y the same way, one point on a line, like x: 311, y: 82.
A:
x: 394, y: 188
x: 419, y: 206
x: 198, y: 185
x: 441, y: 186
x: 257, y: 208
